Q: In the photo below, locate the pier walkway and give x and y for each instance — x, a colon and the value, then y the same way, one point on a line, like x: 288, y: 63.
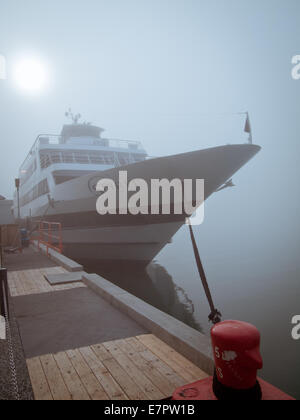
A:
x: 77, y: 346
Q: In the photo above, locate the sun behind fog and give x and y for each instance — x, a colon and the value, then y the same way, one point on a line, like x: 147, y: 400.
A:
x: 30, y: 75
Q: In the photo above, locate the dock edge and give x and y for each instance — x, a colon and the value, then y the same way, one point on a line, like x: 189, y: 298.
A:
x: 189, y: 342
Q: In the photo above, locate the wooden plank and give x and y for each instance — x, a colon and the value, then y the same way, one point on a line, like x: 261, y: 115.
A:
x: 41, y: 284
x: 176, y: 380
x: 110, y: 386
x: 89, y: 380
x: 131, y: 389
x: 38, y: 379
x: 160, y: 381
x: 102, y: 353
x: 19, y: 284
x: 11, y: 284
x: 161, y: 366
x: 22, y: 283
x: 29, y: 284
x: 55, y: 380
x: 176, y: 361
x: 179, y: 358
x: 136, y: 344
x: 71, y: 379
x: 139, y: 378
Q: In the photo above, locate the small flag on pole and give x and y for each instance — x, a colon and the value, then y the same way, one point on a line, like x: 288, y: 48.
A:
x: 248, y: 128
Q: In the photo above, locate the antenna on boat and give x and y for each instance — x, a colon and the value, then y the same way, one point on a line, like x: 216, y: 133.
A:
x: 74, y: 118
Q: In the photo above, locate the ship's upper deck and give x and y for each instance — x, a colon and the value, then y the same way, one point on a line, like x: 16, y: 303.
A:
x: 82, y: 143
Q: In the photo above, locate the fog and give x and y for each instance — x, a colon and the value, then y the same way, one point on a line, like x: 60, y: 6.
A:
x: 175, y: 74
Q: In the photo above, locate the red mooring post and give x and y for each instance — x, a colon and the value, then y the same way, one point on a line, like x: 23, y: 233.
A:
x: 236, y: 347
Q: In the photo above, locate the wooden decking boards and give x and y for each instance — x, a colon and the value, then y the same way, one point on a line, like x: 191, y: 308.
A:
x: 30, y: 282
x: 137, y: 368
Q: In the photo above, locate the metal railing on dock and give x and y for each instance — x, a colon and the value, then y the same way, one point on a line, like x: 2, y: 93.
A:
x: 50, y: 235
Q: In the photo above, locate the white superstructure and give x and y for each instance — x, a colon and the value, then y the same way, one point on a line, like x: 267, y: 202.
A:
x: 79, y: 150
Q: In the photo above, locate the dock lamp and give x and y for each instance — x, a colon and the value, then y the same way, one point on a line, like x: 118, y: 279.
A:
x: 17, y: 184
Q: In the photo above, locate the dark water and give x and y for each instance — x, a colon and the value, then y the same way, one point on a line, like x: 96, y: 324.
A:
x: 172, y: 284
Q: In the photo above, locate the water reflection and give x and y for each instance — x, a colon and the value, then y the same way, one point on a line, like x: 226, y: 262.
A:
x: 152, y: 284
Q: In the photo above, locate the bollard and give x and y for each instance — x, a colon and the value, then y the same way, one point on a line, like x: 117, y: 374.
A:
x: 236, y: 347
x: 3, y: 292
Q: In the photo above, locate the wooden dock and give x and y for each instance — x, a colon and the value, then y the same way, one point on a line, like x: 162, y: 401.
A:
x: 135, y: 367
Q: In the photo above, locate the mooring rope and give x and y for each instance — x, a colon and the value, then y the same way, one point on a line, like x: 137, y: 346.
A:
x: 215, y: 316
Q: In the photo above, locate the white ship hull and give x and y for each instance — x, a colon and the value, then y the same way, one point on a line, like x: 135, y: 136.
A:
x: 88, y: 235
x: 122, y: 243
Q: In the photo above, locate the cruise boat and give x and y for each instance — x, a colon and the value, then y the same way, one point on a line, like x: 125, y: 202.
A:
x: 58, y: 184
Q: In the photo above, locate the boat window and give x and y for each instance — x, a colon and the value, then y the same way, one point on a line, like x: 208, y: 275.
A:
x: 97, y: 158
x: 60, y: 179
x: 109, y: 159
x: 124, y: 158
x: 37, y: 191
x: 56, y: 157
x: 139, y: 158
x: 45, y: 161
x: 68, y: 157
x: 27, y: 173
x: 47, y: 158
x: 81, y: 157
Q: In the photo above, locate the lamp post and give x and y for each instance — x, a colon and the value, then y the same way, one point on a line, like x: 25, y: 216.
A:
x: 17, y: 183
